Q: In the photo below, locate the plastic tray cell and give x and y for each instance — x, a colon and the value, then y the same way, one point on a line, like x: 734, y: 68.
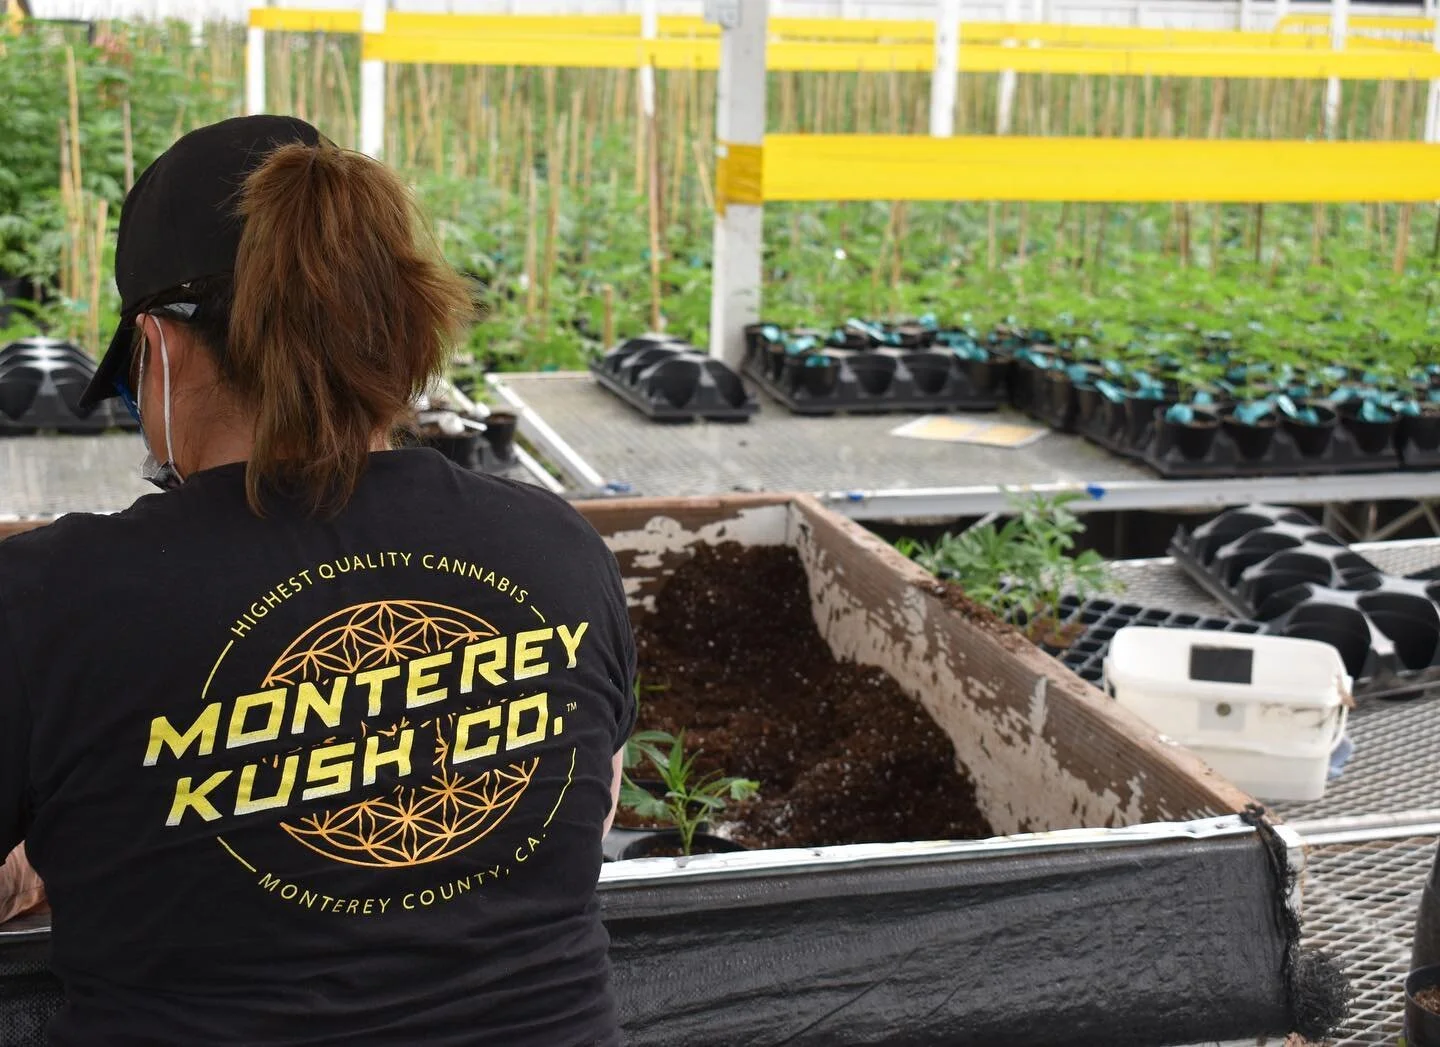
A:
x: 1278, y: 567
x: 1104, y: 618
x: 668, y: 380
x: 41, y: 382
x: 820, y: 377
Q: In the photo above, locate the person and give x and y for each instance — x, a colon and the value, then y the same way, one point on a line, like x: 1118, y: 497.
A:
x: 21, y: 892
x: 319, y: 745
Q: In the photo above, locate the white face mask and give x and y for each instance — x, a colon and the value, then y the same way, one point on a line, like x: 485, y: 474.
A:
x: 163, y: 475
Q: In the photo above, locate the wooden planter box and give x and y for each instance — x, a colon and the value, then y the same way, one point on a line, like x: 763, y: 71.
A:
x: 1133, y: 907
x: 1129, y: 904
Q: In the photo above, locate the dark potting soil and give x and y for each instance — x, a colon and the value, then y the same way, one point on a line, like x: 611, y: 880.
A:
x: 732, y: 656
x: 1429, y: 999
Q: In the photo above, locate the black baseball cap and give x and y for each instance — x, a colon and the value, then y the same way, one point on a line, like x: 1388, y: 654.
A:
x: 179, y: 223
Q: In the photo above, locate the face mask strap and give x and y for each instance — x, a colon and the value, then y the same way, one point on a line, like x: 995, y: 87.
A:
x: 165, y: 388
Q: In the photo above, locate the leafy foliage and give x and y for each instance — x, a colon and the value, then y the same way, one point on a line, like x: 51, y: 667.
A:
x: 690, y: 798
x: 1022, y: 567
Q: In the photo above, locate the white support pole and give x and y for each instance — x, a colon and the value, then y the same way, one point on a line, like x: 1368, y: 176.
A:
x: 1339, y: 20
x: 946, y: 78
x: 1005, y: 104
x: 1282, y: 8
x: 739, y: 228
x: 372, y: 84
x: 649, y: 30
x: 1247, y: 16
x: 1432, y: 99
x: 255, y: 69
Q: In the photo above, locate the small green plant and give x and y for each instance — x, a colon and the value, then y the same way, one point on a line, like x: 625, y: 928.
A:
x: 633, y: 754
x: 690, y: 799
x: 1022, y: 567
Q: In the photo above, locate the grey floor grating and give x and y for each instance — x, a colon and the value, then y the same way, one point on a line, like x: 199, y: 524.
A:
x: 1360, y: 903
x: 1395, y: 766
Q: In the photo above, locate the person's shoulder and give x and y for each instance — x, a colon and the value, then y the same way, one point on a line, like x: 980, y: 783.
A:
x: 75, y: 538
x: 537, y: 506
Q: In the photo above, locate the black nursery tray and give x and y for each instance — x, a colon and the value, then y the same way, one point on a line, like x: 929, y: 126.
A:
x: 858, y: 378
x: 1085, y: 656
x: 1137, y: 429
x: 1281, y: 568
x: 41, y: 381
x: 668, y: 380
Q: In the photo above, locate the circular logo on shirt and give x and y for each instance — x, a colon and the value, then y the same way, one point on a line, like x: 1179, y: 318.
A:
x: 389, y: 734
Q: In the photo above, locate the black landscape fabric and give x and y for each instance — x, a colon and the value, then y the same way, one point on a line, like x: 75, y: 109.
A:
x: 1155, y: 943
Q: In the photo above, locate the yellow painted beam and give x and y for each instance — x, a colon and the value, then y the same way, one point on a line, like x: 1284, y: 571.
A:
x: 1120, y: 170
x: 809, y: 56
x: 1392, y: 23
x: 304, y: 20
x: 835, y: 29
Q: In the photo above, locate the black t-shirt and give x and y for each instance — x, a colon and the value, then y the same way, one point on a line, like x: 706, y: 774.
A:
x: 319, y: 781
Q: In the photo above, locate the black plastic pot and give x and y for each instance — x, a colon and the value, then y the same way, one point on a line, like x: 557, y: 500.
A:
x: 819, y: 375
x: 669, y: 839
x: 1421, y: 432
x: 1422, y: 1026
x: 775, y: 359
x: 1371, y: 437
x: 1056, y: 399
x: 1251, y: 440
x: 930, y: 371
x: 1312, y: 440
x: 463, y: 450
x: 1140, y: 412
x: 988, y: 376
x: 500, y: 434
x: 1087, y: 402
x: 1193, y: 439
x: 873, y: 371
x: 1426, y: 951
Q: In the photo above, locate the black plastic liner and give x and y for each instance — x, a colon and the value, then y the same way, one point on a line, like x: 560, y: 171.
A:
x: 30, y: 995
x: 856, y: 377
x: 1085, y: 657
x: 1145, y: 944
x: 668, y: 380
x: 41, y: 382
x: 1141, y: 943
x: 1279, y: 567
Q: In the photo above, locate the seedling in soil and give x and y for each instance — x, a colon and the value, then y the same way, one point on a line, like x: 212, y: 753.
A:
x: 1023, y: 567
x: 690, y: 800
x: 633, y: 755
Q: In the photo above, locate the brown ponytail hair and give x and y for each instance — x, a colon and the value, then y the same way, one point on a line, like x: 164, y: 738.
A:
x: 341, y: 312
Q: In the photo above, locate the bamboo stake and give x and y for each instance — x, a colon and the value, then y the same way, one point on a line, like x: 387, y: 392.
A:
x: 531, y: 244
x: 1060, y: 246
x: 127, y: 140
x: 1099, y: 248
x: 1259, y: 232
x: 991, y: 252
x: 555, y: 166
x: 1215, y: 243
x: 607, y: 331
x: 642, y: 136
x: 96, y: 266
x: 702, y: 165
x: 347, y: 95
x: 898, y: 220
x: 1402, y: 238
x: 587, y: 163
x: 1317, y: 236
x: 71, y: 80
x: 656, y: 319
x: 577, y: 103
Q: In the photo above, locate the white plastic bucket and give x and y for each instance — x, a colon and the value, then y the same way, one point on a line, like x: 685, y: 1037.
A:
x: 1264, y: 711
